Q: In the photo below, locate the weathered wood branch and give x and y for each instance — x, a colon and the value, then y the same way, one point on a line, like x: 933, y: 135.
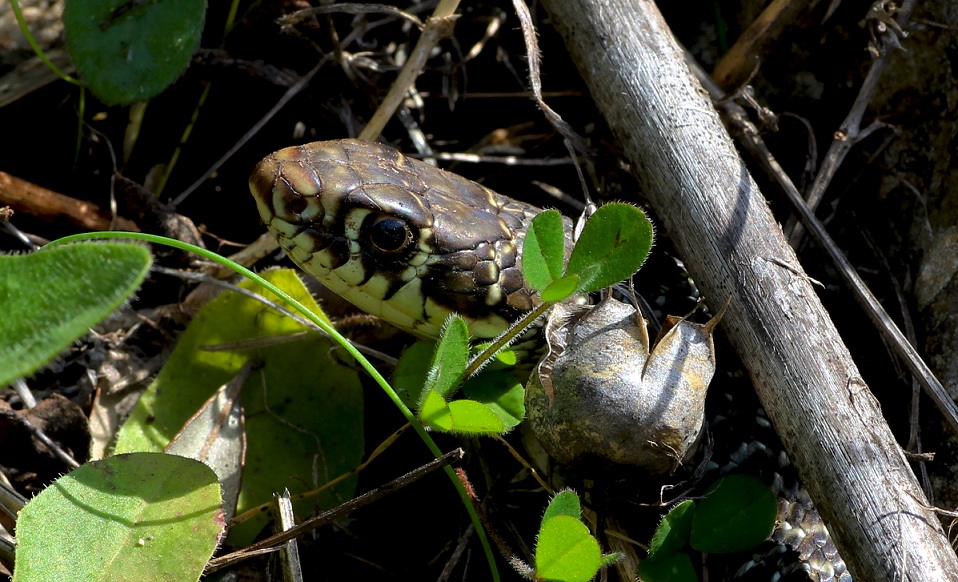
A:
x: 828, y: 419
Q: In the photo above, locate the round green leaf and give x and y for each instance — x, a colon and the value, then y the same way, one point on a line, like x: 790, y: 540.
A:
x: 411, y: 371
x: 435, y: 413
x: 452, y: 356
x: 673, y: 532
x: 673, y: 568
x: 564, y: 503
x: 543, y: 250
x: 130, y: 50
x: 614, y: 243
x: 142, y: 516
x: 566, y: 551
x: 52, y: 297
x: 560, y: 288
x: 470, y: 417
x: 501, y: 391
x: 737, y: 514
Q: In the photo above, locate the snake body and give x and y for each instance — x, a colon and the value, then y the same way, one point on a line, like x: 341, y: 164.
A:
x: 398, y: 238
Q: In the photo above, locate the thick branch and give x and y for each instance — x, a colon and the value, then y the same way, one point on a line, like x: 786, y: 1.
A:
x: 829, y: 421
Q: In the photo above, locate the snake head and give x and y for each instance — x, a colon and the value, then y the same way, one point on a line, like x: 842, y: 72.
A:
x: 397, y: 237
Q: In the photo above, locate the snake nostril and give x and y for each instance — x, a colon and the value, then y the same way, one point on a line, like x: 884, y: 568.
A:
x: 297, y: 205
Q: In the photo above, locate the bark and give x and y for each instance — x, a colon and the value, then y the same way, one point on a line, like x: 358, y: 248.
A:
x: 828, y: 419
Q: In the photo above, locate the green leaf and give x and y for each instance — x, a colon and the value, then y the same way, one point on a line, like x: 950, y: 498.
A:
x: 504, y: 358
x: 614, y: 243
x: 452, y: 357
x: 501, y: 391
x: 672, y: 568
x: 128, y: 51
x: 543, y: 251
x: 304, y: 411
x: 560, y: 289
x: 564, y: 503
x: 458, y: 416
x: 737, y: 514
x: 411, y: 371
x: 144, y: 516
x: 471, y: 417
x: 434, y: 412
x: 673, y: 531
x: 566, y: 551
x: 52, y: 297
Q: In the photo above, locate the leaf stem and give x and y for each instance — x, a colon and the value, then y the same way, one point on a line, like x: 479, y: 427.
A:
x: 505, y: 339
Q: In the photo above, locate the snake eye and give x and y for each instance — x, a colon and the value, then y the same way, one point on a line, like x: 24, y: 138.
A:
x: 389, y: 235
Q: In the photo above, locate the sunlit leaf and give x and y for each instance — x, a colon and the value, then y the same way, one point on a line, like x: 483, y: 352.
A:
x: 566, y: 551
x: 52, y: 297
x: 452, y: 356
x: 613, y: 245
x: 142, y: 516
x: 470, y: 417
x: 564, y: 503
x: 543, y: 250
x: 434, y: 412
x: 560, y: 289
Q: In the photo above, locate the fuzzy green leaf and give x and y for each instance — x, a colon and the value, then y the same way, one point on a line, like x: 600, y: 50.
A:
x: 501, y: 391
x: 458, y: 416
x: 737, y: 514
x: 615, y: 241
x: 52, y: 297
x: 475, y: 418
x: 434, y: 412
x: 142, y: 516
x: 560, y: 289
x: 566, y: 551
x: 543, y: 250
x: 411, y: 371
x: 564, y: 503
x: 452, y: 357
x: 129, y: 51
x: 672, y: 568
x: 673, y: 531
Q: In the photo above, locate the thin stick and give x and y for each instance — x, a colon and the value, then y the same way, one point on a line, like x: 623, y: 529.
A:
x: 273, y: 542
x: 850, y: 131
x: 438, y: 26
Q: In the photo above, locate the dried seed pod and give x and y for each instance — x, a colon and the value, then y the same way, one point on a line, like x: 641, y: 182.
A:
x: 605, y: 396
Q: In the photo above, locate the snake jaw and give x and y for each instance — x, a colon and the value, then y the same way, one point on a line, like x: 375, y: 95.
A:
x: 322, y: 200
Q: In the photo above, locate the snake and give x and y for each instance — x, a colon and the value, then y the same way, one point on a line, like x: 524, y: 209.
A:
x: 398, y: 238
x: 413, y: 244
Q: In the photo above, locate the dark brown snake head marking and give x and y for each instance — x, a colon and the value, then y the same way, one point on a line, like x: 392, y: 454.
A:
x: 397, y: 237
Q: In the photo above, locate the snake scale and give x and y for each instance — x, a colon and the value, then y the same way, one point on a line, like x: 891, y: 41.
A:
x: 412, y: 244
